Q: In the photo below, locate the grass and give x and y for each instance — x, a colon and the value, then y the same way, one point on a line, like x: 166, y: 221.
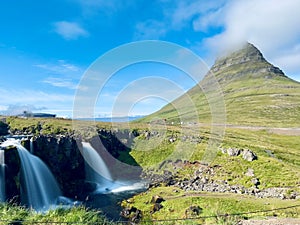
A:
x: 213, y: 205
x: 281, y: 169
x: 79, y: 215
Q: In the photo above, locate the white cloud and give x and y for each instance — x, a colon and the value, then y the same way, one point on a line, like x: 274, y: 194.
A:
x: 273, y: 26
x: 150, y: 29
x: 60, y: 82
x: 176, y: 16
x: 19, y: 109
x: 183, y: 12
x: 15, y: 101
x: 11, y: 97
x: 61, y: 67
x: 70, y: 30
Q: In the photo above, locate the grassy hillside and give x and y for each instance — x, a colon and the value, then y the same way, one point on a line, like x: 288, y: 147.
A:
x: 255, y: 93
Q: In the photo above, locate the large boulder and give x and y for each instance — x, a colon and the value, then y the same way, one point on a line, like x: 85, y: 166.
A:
x: 233, y: 151
x: 249, y: 155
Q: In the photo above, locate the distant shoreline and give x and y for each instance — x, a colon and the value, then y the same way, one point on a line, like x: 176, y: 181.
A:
x: 112, y: 119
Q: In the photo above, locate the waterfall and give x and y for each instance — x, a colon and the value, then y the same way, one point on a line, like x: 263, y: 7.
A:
x: 31, y: 145
x: 2, y: 176
x: 96, y: 169
x: 98, y: 172
x: 39, y: 189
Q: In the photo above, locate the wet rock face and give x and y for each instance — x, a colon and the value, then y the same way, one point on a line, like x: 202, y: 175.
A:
x: 3, y: 128
x: 12, y: 175
x: 63, y: 157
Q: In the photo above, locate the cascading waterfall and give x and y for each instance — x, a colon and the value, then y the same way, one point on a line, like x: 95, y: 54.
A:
x: 98, y: 172
x: 31, y: 145
x: 2, y: 176
x: 39, y: 189
x: 96, y: 169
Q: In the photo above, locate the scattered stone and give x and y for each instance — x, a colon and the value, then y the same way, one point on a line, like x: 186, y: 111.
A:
x: 249, y: 155
x: 233, y: 151
x: 223, y: 150
x: 204, y: 180
x: 156, y: 207
x: 171, y: 140
x: 270, y: 153
x: 132, y: 213
x: 250, y: 173
x: 255, y: 181
x: 193, y: 211
x: 157, y: 199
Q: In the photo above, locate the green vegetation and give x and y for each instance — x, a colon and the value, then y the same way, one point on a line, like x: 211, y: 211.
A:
x: 281, y: 169
x: 78, y: 215
x: 213, y: 206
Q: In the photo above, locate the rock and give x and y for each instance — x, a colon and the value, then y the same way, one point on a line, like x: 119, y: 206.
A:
x: 61, y: 153
x: 255, y: 181
x: 156, y: 207
x: 204, y: 180
x: 193, y: 211
x: 171, y: 140
x: 233, y: 151
x: 223, y: 150
x: 250, y: 172
x: 3, y: 128
x: 270, y: 153
x: 249, y: 155
x: 147, y: 135
x: 132, y: 213
x: 157, y: 199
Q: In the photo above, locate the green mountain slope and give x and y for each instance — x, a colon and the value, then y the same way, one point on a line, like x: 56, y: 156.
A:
x: 255, y: 93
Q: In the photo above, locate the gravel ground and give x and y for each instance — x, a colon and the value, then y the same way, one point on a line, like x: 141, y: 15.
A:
x: 272, y: 221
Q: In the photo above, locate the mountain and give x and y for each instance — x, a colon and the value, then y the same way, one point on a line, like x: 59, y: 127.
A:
x: 254, y: 91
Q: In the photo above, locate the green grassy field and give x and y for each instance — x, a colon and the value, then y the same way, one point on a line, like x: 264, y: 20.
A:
x: 213, y: 207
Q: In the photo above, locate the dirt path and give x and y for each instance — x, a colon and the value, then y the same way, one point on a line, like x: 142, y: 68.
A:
x: 276, y: 130
x: 272, y: 221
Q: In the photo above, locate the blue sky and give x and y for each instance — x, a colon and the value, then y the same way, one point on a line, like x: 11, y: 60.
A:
x: 46, y: 46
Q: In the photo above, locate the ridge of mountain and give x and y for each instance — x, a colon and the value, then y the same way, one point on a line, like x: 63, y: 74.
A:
x: 255, y: 92
x: 248, y: 59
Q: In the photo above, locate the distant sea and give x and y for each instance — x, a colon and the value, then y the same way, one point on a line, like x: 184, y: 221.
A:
x: 114, y: 119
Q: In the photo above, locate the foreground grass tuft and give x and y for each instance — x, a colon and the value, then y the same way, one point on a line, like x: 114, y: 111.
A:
x: 11, y: 214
